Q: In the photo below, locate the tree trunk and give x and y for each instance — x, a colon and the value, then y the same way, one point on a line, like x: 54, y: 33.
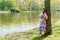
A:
x: 48, y: 26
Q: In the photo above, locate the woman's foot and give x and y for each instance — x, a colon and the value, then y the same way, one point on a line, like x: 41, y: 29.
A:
x: 40, y: 35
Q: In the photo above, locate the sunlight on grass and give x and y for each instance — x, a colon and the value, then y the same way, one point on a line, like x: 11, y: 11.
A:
x: 28, y: 35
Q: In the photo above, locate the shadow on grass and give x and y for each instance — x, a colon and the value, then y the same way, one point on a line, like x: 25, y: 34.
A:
x: 40, y: 38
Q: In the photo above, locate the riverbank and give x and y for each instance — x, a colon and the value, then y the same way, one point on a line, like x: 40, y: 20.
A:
x: 28, y: 35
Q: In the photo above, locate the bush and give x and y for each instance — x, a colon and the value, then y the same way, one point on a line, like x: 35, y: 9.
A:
x: 6, y: 5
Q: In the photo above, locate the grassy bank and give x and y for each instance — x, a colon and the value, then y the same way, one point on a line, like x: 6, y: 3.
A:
x: 29, y: 35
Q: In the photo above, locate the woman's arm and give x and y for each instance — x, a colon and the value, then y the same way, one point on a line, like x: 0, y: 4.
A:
x: 45, y: 16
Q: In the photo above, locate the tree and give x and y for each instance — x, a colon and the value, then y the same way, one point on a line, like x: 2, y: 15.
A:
x: 6, y: 5
x: 49, y: 27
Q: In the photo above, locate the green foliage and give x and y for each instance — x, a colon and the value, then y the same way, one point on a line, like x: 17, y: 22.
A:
x: 24, y: 5
x: 6, y: 5
x: 31, y: 5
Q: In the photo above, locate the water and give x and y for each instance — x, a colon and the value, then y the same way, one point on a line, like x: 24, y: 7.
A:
x: 18, y: 22
x: 18, y: 18
x: 16, y: 28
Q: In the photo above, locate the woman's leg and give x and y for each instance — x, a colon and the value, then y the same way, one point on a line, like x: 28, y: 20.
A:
x: 40, y: 32
x: 44, y: 30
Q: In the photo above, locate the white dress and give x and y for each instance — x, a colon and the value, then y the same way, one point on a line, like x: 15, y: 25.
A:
x: 42, y: 25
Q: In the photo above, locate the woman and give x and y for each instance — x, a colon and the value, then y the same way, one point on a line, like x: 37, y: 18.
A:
x: 43, y: 18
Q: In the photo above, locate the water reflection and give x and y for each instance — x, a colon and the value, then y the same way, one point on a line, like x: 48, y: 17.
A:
x: 18, y: 18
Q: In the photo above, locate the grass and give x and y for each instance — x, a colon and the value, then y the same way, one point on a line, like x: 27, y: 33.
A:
x: 29, y: 35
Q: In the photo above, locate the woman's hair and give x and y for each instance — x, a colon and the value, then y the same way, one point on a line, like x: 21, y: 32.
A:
x: 44, y: 10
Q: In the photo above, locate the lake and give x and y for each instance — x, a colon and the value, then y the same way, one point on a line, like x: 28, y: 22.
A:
x: 18, y: 22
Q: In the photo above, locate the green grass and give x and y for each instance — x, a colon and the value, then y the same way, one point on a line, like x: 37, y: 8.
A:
x: 28, y: 35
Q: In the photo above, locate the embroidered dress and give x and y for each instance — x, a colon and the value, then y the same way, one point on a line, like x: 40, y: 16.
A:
x: 42, y: 25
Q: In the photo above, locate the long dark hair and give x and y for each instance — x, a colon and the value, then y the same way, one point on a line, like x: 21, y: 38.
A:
x: 44, y: 10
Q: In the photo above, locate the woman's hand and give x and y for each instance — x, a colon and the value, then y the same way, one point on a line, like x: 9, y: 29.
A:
x: 45, y: 16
